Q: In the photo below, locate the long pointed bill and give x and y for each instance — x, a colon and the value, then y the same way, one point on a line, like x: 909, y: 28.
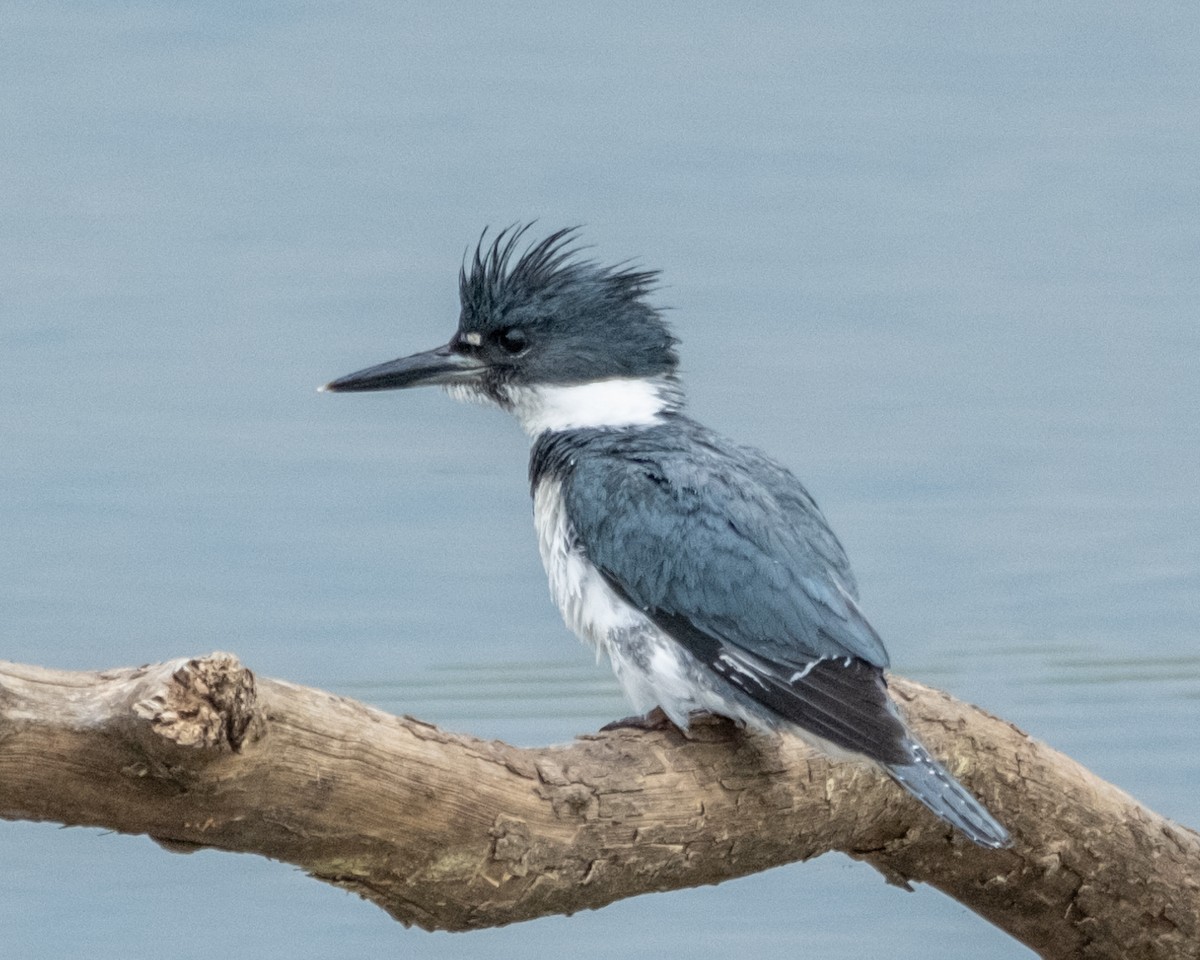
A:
x: 433, y: 367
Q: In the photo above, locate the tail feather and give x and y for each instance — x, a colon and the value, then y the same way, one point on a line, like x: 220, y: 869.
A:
x: 932, y: 784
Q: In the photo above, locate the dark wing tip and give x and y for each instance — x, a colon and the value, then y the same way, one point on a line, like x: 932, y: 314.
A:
x: 843, y: 700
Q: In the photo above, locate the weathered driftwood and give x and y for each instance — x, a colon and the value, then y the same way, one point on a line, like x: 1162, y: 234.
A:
x: 453, y: 833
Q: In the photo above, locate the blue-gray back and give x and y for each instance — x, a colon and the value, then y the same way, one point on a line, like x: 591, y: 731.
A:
x: 712, y: 536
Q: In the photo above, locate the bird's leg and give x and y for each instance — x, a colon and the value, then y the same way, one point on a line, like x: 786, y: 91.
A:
x: 702, y: 725
x: 654, y: 720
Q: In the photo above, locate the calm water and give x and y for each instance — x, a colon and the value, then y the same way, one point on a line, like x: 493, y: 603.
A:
x: 942, y: 262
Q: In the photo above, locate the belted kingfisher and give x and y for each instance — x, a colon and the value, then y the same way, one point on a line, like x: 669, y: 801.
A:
x: 701, y: 567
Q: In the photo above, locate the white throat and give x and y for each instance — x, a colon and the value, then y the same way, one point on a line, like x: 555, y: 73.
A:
x: 618, y: 402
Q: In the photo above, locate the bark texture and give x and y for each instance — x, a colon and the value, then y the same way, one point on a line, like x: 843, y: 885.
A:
x: 448, y: 832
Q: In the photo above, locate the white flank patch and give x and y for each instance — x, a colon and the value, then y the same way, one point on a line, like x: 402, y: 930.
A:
x: 588, y: 604
x: 619, y: 402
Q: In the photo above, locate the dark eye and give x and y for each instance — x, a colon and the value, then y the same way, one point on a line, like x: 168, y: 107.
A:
x: 512, y: 340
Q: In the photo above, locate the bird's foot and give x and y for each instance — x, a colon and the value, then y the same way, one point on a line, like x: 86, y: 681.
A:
x: 654, y: 720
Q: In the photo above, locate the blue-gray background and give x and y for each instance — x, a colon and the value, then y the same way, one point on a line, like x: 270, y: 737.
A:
x: 941, y: 259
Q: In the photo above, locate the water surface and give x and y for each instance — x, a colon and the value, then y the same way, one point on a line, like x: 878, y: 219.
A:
x: 941, y: 261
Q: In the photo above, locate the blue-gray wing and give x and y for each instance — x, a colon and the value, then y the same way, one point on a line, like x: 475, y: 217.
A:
x: 727, y: 553
x: 706, y: 534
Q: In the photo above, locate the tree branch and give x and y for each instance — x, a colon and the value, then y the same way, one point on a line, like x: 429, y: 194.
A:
x: 448, y: 832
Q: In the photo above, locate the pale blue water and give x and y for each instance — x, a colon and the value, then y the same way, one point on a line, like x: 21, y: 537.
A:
x: 940, y: 260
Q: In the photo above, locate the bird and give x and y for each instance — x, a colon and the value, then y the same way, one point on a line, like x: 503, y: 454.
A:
x: 701, y: 567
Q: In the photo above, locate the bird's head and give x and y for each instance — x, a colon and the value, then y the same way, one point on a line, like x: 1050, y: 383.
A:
x: 559, y: 341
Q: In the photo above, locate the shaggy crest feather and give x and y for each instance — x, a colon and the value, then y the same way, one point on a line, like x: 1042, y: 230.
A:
x: 545, y: 267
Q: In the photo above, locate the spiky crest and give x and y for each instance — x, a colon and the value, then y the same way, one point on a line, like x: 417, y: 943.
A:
x: 544, y: 267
